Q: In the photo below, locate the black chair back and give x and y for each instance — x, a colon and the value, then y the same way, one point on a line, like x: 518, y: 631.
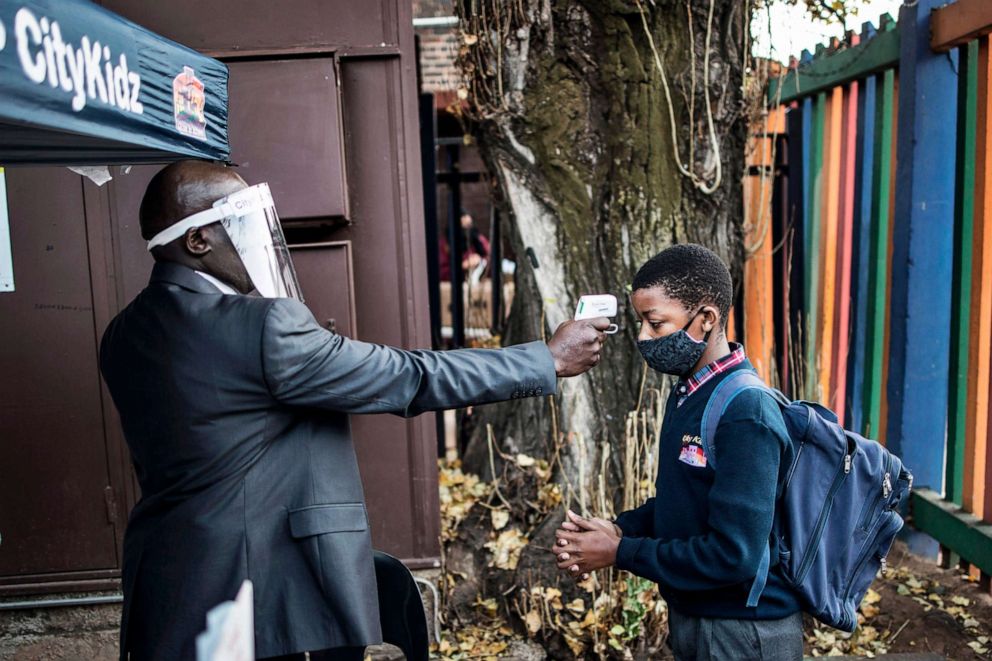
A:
x: 401, y: 608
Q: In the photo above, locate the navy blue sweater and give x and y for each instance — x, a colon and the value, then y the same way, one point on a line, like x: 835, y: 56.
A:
x: 701, y: 538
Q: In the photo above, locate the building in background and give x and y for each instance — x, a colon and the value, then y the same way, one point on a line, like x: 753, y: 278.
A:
x: 462, y: 186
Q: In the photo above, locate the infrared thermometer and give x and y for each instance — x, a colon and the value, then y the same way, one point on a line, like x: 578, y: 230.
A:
x: 598, y: 305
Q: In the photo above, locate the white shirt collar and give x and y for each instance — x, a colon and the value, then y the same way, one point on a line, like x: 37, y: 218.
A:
x: 222, y: 286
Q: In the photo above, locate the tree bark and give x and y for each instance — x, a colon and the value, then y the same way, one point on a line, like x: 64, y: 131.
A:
x: 568, y: 105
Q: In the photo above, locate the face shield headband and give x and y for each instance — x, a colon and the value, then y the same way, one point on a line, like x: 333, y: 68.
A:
x: 249, y: 217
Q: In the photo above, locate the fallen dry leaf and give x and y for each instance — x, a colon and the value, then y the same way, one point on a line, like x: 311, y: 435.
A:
x: 978, y: 647
x: 869, y: 610
x: 524, y: 461
x: 533, y: 621
x: 549, y: 496
x: 590, y: 584
x: 506, y: 549
x: 577, y: 645
x: 500, y: 519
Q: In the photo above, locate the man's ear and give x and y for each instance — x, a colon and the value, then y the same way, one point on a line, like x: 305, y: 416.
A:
x: 195, y: 242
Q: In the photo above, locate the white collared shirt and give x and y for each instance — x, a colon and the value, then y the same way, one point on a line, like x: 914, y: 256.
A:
x: 222, y: 286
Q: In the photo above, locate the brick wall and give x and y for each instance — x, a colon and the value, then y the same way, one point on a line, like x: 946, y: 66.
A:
x: 424, y: 8
x: 438, y: 50
x: 438, y: 47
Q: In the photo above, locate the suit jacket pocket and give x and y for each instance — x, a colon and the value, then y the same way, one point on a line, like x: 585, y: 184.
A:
x: 331, y: 517
x: 334, y: 541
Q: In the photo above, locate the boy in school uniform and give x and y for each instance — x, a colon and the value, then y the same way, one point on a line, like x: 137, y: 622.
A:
x: 701, y: 538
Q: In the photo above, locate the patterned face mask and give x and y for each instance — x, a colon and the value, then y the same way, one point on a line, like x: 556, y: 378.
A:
x: 676, y: 353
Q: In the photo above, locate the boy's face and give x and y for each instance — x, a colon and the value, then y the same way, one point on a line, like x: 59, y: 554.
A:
x: 661, y: 315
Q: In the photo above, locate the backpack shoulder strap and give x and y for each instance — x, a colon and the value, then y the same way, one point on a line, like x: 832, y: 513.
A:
x: 724, y: 393
x: 719, y: 400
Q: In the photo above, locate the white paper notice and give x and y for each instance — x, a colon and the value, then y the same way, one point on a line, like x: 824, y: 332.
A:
x: 230, y: 634
x: 6, y: 259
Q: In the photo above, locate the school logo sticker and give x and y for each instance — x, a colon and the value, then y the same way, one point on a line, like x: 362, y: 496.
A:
x: 692, y: 451
x: 189, y: 100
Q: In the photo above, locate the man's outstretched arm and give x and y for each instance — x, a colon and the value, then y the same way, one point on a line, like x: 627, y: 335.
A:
x: 306, y: 365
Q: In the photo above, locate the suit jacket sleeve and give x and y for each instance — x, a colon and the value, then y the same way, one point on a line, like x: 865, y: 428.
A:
x: 306, y: 365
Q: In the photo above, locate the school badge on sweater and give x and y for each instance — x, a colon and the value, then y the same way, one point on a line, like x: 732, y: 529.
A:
x: 692, y: 451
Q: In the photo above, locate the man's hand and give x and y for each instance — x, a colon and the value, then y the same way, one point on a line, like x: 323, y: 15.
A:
x: 592, y: 546
x: 575, y: 346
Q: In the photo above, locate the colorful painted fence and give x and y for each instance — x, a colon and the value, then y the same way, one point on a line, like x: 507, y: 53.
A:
x: 868, y: 284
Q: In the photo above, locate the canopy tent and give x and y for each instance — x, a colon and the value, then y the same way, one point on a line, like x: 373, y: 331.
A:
x: 82, y: 85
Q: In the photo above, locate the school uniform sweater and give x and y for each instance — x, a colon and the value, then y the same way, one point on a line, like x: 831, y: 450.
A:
x: 702, y: 536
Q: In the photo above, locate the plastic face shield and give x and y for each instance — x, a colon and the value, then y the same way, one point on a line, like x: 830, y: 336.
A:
x: 250, y: 220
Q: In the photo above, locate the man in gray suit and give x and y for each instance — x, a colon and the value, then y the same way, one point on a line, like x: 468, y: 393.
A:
x: 235, y: 410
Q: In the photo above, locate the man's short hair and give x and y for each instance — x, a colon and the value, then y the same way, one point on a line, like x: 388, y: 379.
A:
x: 691, y: 274
x: 182, y: 189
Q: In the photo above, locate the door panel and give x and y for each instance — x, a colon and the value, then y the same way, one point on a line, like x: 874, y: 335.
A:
x: 53, y: 454
x: 135, y: 262
x: 324, y: 272
x: 285, y: 128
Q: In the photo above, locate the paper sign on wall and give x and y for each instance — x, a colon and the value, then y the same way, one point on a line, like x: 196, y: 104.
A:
x: 6, y: 260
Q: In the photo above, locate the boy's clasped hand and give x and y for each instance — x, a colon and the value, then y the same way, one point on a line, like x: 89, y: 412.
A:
x: 584, y: 545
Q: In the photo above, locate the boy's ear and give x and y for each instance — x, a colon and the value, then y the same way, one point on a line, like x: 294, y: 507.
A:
x: 711, y: 318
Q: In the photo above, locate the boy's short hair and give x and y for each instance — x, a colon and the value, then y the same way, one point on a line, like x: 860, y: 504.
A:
x: 692, y: 275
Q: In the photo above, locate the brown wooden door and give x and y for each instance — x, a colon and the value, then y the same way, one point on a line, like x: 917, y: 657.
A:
x: 325, y: 275
x: 285, y: 130
x: 54, y: 475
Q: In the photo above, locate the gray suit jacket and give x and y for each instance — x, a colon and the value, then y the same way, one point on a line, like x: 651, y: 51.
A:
x: 235, y: 411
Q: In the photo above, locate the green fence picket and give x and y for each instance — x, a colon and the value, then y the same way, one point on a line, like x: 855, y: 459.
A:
x: 879, y: 270
x: 964, y: 214
x: 814, y: 206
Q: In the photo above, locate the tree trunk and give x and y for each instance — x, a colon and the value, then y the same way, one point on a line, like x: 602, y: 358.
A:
x: 568, y: 104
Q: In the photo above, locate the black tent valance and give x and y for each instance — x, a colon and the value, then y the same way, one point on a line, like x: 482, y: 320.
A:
x: 82, y: 85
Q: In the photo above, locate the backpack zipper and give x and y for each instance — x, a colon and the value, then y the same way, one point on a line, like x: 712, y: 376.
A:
x: 866, y: 554
x: 812, y: 547
x: 865, y: 523
x: 799, y: 452
x: 795, y: 464
x: 887, y: 480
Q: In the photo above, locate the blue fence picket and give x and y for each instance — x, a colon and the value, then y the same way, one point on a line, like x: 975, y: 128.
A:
x: 923, y: 250
x: 861, y: 253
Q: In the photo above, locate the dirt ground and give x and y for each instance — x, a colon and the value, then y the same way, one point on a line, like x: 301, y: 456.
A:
x: 916, y: 608
x: 919, y: 608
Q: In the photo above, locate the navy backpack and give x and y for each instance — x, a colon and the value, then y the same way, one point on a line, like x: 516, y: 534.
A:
x: 837, y: 513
